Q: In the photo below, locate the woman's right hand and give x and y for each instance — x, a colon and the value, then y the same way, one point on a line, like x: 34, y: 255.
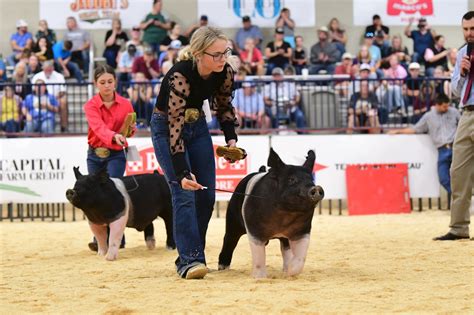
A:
x: 191, y: 184
x: 119, y: 139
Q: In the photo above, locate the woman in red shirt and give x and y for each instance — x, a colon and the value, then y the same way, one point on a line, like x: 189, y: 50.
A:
x: 252, y: 59
x: 106, y: 113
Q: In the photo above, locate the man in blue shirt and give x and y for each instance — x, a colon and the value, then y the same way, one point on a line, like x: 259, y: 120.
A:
x: 248, y: 30
x: 20, y: 41
x: 422, y: 39
x: 62, y: 58
x: 250, y: 107
x: 462, y: 167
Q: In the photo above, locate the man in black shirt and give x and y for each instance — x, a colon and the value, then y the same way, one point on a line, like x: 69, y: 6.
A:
x: 377, y: 26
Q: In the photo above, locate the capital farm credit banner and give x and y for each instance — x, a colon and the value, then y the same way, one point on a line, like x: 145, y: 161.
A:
x: 398, y: 12
x: 93, y: 14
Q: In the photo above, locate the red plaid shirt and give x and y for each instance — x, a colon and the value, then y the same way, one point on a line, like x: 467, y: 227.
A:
x: 105, y: 122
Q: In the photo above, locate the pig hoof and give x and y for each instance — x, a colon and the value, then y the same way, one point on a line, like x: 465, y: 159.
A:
x: 150, y: 242
x: 111, y: 256
x: 101, y: 252
x: 223, y: 267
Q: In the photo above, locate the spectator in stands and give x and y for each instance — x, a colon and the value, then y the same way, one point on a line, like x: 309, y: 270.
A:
x: 155, y: 26
x: 424, y: 101
x: 288, y: 24
x: 377, y: 26
x: 3, y: 72
x: 344, y: 68
x: 43, y: 49
x: 135, y: 35
x: 390, y: 93
x: 282, y: 101
x: 440, y: 123
x: 174, y: 34
x: 115, y: 39
x: 140, y: 94
x: 10, y: 106
x: 250, y: 108
x: 441, y: 82
x: 453, y: 52
x: 20, y: 41
x: 34, y: 66
x: 81, y: 43
x: 106, y: 113
x: 364, y: 73
x: 248, y: 30
x: 171, y: 53
x: 375, y: 52
x: 56, y: 87
x: 203, y: 21
x: 362, y: 110
x: 125, y: 66
x: 146, y: 64
x: 62, y: 57
x: 20, y: 80
x: 299, y: 59
x: 45, y: 31
x: 39, y: 109
x: 25, y: 55
x: 337, y: 35
x: 381, y: 43
x: 364, y: 57
x: 413, y: 83
x: 278, y: 52
x: 422, y: 38
x: 400, y: 50
x: 436, y: 55
x: 252, y: 59
x: 324, y: 54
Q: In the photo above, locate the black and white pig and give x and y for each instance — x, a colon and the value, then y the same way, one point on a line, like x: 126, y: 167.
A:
x: 133, y: 201
x: 281, y: 207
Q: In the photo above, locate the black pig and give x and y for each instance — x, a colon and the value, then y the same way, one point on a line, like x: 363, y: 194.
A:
x: 133, y: 201
x: 282, y: 207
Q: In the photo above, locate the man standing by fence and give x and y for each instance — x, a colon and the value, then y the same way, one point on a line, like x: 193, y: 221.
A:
x: 462, y: 168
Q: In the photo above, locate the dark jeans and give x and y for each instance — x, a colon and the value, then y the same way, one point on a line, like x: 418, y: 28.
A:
x: 110, y: 56
x: 315, y: 68
x: 445, y: 157
x: 10, y: 125
x: 115, y: 164
x: 271, y: 66
x: 192, y: 210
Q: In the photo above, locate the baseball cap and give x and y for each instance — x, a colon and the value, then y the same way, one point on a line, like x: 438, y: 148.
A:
x: 323, y: 29
x: 203, y: 18
x: 364, y: 66
x: 414, y: 65
x: 131, y: 48
x: 279, y: 30
x: 148, y: 50
x: 21, y: 23
x: 346, y: 56
x: 246, y: 18
x: 278, y: 71
x: 175, y: 44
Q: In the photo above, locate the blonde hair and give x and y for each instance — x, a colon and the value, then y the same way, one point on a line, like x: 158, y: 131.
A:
x: 204, y: 37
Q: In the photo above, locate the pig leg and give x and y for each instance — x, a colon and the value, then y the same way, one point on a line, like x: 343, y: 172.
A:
x: 168, y: 218
x: 257, y: 249
x: 116, y: 233
x: 150, y: 236
x: 299, y: 249
x: 233, y: 232
x: 100, y: 233
x: 286, y: 253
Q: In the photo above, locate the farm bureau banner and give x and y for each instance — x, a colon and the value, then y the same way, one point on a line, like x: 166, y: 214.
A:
x: 398, y: 12
x: 35, y: 170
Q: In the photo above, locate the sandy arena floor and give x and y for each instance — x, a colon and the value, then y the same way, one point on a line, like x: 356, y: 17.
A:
x: 374, y: 264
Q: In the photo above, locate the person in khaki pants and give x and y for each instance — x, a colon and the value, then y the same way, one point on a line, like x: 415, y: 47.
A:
x: 462, y: 167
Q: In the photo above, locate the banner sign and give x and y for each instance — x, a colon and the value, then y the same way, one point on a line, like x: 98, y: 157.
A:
x: 334, y: 153
x: 229, y: 13
x: 398, y: 12
x: 93, y: 14
x: 39, y: 170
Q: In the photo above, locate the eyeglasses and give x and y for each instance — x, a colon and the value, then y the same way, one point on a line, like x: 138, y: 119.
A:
x: 220, y: 56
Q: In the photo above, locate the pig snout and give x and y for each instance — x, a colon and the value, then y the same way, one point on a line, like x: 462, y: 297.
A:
x: 316, y: 193
x: 70, y: 194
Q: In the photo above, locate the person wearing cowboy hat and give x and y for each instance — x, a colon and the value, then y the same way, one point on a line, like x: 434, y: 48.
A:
x: 20, y: 41
x: 324, y: 54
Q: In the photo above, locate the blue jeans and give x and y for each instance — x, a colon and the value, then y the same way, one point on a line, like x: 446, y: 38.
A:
x: 37, y: 125
x: 10, y: 125
x: 192, y: 210
x: 445, y: 157
x: 315, y: 68
x: 115, y: 164
x: 111, y: 57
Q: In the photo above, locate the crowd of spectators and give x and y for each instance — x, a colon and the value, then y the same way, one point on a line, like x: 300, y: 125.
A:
x: 142, y: 55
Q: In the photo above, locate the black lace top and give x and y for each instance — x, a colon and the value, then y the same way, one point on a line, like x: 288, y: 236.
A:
x: 182, y: 88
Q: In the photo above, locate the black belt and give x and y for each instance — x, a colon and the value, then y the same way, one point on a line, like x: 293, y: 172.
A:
x: 469, y: 108
x: 446, y: 146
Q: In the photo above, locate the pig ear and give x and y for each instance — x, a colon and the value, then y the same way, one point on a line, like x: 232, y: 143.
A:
x: 310, y: 159
x: 76, y: 172
x: 274, y: 160
x: 102, y: 175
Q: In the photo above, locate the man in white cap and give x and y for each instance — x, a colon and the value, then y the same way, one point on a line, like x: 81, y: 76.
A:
x: 20, y: 41
x: 324, y: 54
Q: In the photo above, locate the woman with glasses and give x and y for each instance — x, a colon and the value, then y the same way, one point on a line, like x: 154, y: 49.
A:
x: 182, y: 142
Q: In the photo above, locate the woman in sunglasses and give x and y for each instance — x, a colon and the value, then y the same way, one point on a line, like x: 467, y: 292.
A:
x: 182, y: 142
